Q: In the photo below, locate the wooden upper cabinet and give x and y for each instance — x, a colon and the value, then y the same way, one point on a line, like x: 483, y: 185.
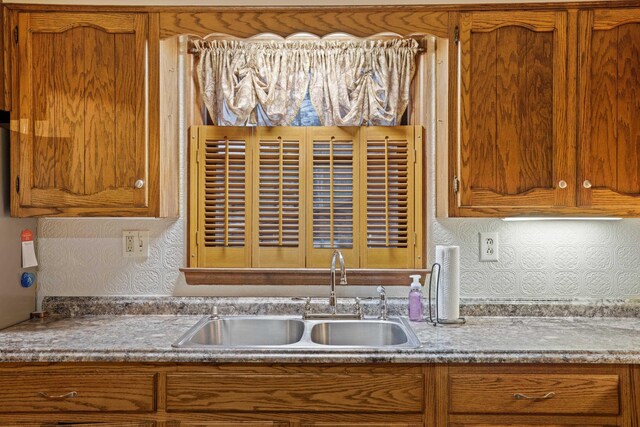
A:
x: 88, y: 126
x: 4, y: 81
x: 609, y: 111
x: 513, y: 155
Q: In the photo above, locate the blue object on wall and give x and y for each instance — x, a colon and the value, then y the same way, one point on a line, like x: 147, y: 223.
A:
x: 27, y: 280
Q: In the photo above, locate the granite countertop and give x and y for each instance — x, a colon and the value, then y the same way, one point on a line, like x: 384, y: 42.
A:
x: 148, y: 338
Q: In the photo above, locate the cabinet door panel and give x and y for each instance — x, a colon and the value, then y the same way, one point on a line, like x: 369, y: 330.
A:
x: 609, y: 169
x: 513, y: 145
x: 83, y: 138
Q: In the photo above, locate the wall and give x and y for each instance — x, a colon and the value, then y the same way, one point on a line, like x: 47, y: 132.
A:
x: 16, y: 302
x: 555, y: 259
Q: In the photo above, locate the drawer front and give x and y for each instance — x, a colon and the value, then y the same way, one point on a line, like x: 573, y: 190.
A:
x: 296, y: 393
x: 534, y: 394
x: 77, y: 392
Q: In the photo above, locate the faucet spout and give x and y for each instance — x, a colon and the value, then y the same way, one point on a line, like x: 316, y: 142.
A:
x: 333, y: 300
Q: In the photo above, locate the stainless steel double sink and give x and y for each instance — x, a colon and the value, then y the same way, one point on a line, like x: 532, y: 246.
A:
x: 280, y: 332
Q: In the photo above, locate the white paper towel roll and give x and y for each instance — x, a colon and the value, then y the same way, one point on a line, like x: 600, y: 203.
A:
x: 449, y: 291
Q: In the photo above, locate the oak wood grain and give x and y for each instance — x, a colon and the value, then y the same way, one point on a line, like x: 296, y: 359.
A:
x: 356, y: 424
x: 292, y: 393
x: 125, y: 123
x: 628, y: 97
x: 494, y: 393
x: 246, y: 23
x: 609, y: 57
x: 90, y: 117
x: 70, y: 80
x: 168, y: 113
x: 223, y: 424
x: 635, y: 396
x: 585, y: 395
x: 99, y: 137
x: 601, y: 168
x: 295, y: 276
x: 512, y: 134
x: 150, y: 146
x: 44, y: 143
x: 538, y: 112
x: 513, y: 131
x: 483, y: 128
x: 97, y: 392
x: 5, y: 78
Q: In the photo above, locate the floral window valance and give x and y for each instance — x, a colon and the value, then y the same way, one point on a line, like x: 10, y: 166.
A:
x: 349, y: 83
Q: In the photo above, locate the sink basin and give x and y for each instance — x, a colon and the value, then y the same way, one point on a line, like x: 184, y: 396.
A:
x: 280, y: 332
x: 359, y: 333
x: 243, y: 332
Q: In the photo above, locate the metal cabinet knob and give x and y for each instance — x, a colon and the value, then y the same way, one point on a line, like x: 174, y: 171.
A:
x: 139, y: 183
x: 562, y: 184
x: 586, y: 183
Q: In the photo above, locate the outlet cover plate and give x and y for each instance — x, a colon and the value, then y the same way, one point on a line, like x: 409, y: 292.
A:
x: 489, y: 247
x: 135, y: 243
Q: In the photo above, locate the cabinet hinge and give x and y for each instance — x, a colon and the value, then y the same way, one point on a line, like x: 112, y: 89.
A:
x: 456, y: 35
x: 456, y: 184
x: 17, y: 184
x: 15, y: 34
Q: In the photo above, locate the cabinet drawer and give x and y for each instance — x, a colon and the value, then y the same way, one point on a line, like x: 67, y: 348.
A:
x: 534, y: 394
x: 296, y: 392
x: 77, y: 392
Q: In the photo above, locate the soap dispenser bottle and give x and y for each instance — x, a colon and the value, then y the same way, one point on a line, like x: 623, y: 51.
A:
x: 415, y: 299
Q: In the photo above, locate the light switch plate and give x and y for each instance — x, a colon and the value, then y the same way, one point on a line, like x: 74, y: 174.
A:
x: 142, y: 244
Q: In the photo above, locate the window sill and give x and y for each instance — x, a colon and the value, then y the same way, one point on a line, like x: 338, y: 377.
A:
x: 297, y: 276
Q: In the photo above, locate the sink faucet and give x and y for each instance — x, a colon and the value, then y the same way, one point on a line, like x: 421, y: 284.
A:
x: 343, y: 278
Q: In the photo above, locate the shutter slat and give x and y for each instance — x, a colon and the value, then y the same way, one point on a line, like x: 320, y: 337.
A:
x: 332, y: 192
x: 224, y: 192
x: 279, y: 195
x: 387, y: 192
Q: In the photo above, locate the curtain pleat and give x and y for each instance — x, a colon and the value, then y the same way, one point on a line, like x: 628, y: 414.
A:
x: 350, y: 83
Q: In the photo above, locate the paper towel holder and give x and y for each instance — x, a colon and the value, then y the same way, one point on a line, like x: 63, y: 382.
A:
x: 438, y: 321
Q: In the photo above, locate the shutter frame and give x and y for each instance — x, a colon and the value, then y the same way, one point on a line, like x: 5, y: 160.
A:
x: 318, y: 257
x: 219, y: 245
x: 264, y: 164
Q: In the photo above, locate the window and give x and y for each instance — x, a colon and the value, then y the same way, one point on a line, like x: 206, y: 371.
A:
x: 286, y: 197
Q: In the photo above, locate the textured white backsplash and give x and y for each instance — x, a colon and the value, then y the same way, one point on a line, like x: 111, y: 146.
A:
x: 557, y: 259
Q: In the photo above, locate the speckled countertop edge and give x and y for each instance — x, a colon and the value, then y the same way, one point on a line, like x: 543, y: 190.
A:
x: 148, y: 339
x: 82, y: 306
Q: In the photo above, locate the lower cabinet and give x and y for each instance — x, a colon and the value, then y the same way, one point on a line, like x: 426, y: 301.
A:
x: 537, y: 395
x: 322, y: 395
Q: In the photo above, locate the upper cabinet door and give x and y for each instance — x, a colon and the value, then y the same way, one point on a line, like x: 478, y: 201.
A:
x: 514, y: 157
x: 83, y: 114
x: 609, y: 111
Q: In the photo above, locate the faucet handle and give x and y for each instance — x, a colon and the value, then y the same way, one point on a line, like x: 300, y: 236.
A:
x: 384, y: 311
x: 214, y: 313
x: 343, y: 278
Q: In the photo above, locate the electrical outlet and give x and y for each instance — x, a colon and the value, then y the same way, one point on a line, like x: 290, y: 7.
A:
x: 135, y: 243
x: 488, y: 247
x: 128, y: 243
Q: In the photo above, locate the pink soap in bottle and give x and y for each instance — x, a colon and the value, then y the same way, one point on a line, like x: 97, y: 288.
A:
x: 415, y: 299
